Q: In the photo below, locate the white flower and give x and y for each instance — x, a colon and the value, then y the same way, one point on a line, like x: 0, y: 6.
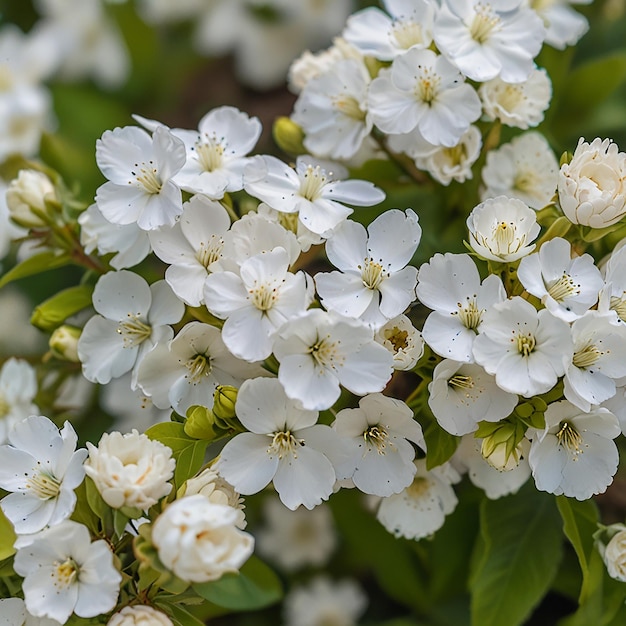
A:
x: 41, y: 468
x: 319, y: 351
x: 525, y: 168
x: 26, y: 198
x: 423, y: 90
x: 139, y: 615
x: 186, y: 371
x: 489, y: 39
x: 502, y: 229
x: 66, y: 573
x: 311, y: 190
x: 567, y: 287
x: 216, y: 152
x: 403, y: 340
x: 463, y: 394
x: 13, y: 612
x: 450, y: 284
x: 199, y: 540
x: 323, y: 602
x: 192, y: 246
x: 130, y: 470
x: 296, y: 539
x: 592, y: 186
x: 132, y: 318
x: 381, y: 459
x: 564, y: 26
x: 18, y: 387
x: 139, y: 169
x: 257, y: 301
x: 284, y: 445
x: 527, y: 350
x: 420, y: 510
x: 575, y: 454
x: 614, y: 553
x: 519, y: 104
x: 374, y: 284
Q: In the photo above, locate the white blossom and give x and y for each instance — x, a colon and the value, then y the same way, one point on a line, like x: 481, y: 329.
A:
x: 139, y: 615
x: 403, y: 340
x: 614, y: 552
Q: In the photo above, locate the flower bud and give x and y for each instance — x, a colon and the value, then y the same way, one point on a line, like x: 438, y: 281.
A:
x: 614, y: 553
x: 288, y: 136
x: 224, y: 400
x: 26, y: 198
x: 200, y: 423
x: 592, y: 186
x: 504, y: 449
x: 139, y: 615
x: 64, y: 343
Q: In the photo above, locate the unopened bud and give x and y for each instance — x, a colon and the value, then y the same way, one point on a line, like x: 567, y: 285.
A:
x: 504, y: 448
x: 64, y: 342
x: 224, y: 400
x: 288, y: 136
x: 200, y: 423
x: 26, y: 198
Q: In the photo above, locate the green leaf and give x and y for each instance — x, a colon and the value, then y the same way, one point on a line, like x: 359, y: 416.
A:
x: 36, y: 264
x: 518, y: 557
x: 440, y: 445
x: 7, y: 537
x: 55, y: 310
x: 255, y: 587
x: 179, y: 615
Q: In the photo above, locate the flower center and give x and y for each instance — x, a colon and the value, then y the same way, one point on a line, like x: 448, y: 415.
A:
x: 456, y: 155
x: 563, y: 288
x: 264, y: 296
x: 376, y: 436
x: 198, y: 366
x: 504, y: 235
x: 134, y: 331
x: 210, y: 252
x: 325, y: 353
x: 461, y: 382
x: 525, y: 182
x: 407, y: 33
x: 570, y: 438
x: 349, y: 106
x: 148, y: 177
x: 619, y: 306
x: 525, y: 344
x: 398, y: 338
x: 210, y: 154
x: 284, y: 443
x: 312, y: 183
x: 372, y: 273
x: 65, y: 573
x: 418, y: 488
x: 427, y: 86
x: 469, y: 315
x: 510, y: 97
x: 484, y: 23
x: 587, y: 356
x: 44, y: 485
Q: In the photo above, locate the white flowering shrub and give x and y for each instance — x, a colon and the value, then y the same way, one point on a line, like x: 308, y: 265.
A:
x: 385, y: 346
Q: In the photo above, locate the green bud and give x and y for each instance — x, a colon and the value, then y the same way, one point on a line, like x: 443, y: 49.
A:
x: 288, y: 136
x: 55, y: 310
x: 506, y: 445
x: 64, y: 343
x: 224, y: 400
x: 200, y: 423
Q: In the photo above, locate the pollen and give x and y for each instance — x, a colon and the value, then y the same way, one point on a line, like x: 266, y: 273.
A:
x: 134, y: 331
x: 377, y: 436
x: 563, y: 288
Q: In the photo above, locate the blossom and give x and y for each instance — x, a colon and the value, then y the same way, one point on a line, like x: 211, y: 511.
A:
x: 132, y: 317
x: 592, y: 186
x: 375, y: 283
x: 139, y: 615
x: 26, y: 198
x: 320, y: 351
x: 381, y: 458
x: 525, y: 168
x: 311, y: 190
x: 65, y: 573
x: 18, y: 387
x: 564, y: 25
x: 298, y: 457
x: 41, y: 468
x: 199, y: 541
x: 423, y: 90
x: 139, y: 169
x: 485, y: 40
x: 575, y: 455
x: 502, y: 229
x: 130, y: 470
x: 403, y: 340
x: 614, y: 553
x: 216, y: 153
x: 567, y: 287
x: 527, y: 350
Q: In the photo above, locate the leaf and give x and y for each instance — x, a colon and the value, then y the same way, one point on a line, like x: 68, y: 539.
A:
x: 35, y: 265
x: 180, y: 616
x: 519, y: 556
x: 440, y: 445
x: 255, y: 587
x: 7, y: 537
x: 55, y: 310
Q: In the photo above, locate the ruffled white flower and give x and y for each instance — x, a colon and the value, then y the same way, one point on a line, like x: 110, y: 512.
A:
x: 41, y: 468
x: 592, y: 186
x: 192, y: 246
x: 296, y: 539
x: 450, y: 285
x: 519, y: 104
x: 320, y: 351
x: 381, y: 459
x: 525, y: 168
x: 463, y: 394
x: 18, y: 387
x: 187, y: 370
x: 65, y: 573
x: 374, y: 283
x: 502, y: 229
x: 564, y: 25
x: 567, y: 287
x: 132, y: 318
x: 323, y: 602
x: 13, y: 612
x: 140, y: 615
x: 199, y: 540
x: 284, y: 445
x: 614, y: 553
x: 130, y: 470
x: 311, y: 190
x: 423, y: 90
x: 489, y: 39
x: 403, y: 340
x: 575, y: 454
x: 139, y: 169
x: 216, y: 152
x: 525, y: 349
